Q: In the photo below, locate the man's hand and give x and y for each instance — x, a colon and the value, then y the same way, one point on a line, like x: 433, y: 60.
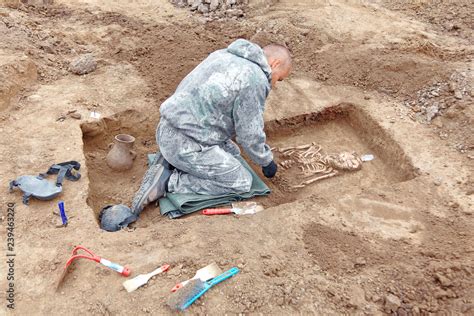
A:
x: 270, y: 170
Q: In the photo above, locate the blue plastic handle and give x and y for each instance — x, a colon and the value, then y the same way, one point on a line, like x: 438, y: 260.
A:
x: 224, y: 276
x: 207, y: 285
x: 62, y: 212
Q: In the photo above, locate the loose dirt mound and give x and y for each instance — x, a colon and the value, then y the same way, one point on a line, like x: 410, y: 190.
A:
x: 454, y: 18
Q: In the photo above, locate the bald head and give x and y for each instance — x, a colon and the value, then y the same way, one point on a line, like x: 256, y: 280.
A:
x: 279, y: 59
x: 280, y: 52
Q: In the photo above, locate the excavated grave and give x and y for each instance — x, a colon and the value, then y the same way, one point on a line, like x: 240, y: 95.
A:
x: 342, y: 128
x: 336, y: 129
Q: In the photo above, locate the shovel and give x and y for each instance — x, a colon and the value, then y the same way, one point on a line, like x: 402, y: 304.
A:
x: 238, y: 208
x: 203, y: 274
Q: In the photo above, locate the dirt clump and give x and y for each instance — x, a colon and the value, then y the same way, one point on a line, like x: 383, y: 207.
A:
x: 83, y: 64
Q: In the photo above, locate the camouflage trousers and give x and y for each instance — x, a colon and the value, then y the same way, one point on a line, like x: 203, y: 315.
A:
x: 210, y: 170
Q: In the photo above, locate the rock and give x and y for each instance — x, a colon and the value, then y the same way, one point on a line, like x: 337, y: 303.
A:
x: 357, y: 297
x: 203, y: 8
x: 458, y: 95
x: 195, y: 4
x: 432, y: 111
x: 214, y: 5
x: 181, y: 3
x: 234, y: 12
x: 437, y: 122
x: 34, y: 98
x: 359, y: 262
x: 392, y: 303
x: 305, y: 32
x: 83, y: 64
x: 443, y: 280
x: 76, y: 115
x: 452, y: 86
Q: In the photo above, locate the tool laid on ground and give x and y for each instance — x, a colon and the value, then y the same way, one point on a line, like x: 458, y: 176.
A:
x: 91, y: 256
x: 42, y: 189
x: 238, y: 208
x: 183, y: 298
x: 62, y: 213
x: 142, y: 279
x: 203, y: 274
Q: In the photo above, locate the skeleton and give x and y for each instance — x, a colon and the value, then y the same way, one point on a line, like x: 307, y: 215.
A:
x: 314, y: 165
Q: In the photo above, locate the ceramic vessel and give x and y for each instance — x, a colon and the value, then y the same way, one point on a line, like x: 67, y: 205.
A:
x: 121, y: 156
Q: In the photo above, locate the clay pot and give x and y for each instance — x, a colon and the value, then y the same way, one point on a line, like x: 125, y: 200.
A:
x: 121, y: 156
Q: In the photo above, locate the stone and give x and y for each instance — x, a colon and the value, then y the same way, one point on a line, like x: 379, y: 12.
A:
x: 203, y: 8
x: 195, y: 4
x: 234, y: 13
x: 76, y: 115
x: 452, y: 86
x: 180, y: 3
x: 392, y: 303
x: 437, y: 122
x: 357, y: 297
x: 432, y: 111
x: 458, y: 95
x: 443, y: 280
x: 83, y: 64
x: 214, y: 4
x: 359, y: 262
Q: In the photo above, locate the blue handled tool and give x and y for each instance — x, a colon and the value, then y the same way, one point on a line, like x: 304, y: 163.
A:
x: 62, y: 212
x: 183, y: 298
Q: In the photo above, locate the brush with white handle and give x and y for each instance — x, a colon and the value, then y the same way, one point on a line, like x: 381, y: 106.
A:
x: 204, y: 274
x: 142, y: 279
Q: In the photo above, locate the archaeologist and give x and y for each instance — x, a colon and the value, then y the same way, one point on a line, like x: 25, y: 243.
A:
x: 222, y: 98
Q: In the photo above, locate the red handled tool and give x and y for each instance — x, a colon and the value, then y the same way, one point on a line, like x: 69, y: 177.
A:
x: 238, y: 208
x: 219, y: 211
x: 91, y: 256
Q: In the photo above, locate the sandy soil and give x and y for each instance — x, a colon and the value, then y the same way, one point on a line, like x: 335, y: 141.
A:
x: 395, y: 237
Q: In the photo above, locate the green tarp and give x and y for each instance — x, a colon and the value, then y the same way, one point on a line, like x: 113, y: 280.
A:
x: 175, y: 204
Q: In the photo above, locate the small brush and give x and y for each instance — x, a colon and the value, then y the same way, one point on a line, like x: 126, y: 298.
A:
x: 142, y: 279
x: 204, y: 274
x: 183, y: 298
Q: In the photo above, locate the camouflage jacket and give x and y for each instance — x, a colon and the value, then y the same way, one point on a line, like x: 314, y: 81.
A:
x: 224, y: 97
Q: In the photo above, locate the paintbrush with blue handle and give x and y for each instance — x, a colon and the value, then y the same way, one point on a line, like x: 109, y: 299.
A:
x: 183, y: 298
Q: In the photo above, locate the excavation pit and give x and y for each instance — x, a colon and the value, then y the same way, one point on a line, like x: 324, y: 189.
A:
x: 337, y: 129
x: 343, y: 128
x: 107, y: 186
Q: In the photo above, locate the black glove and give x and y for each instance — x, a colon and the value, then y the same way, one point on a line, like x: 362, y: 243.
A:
x: 270, y: 170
